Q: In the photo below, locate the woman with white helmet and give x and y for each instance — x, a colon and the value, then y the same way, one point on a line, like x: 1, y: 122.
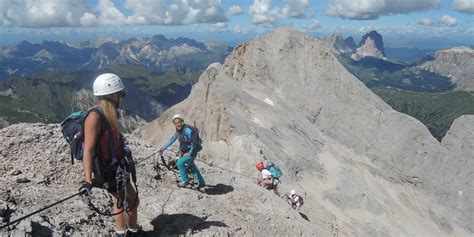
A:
x: 189, y: 147
x: 104, y: 150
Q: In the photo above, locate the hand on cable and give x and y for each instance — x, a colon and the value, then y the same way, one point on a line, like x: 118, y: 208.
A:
x: 161, y: 150
x: 85, y: 188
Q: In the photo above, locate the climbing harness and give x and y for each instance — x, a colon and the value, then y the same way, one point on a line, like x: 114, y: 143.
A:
x: 124, y: 171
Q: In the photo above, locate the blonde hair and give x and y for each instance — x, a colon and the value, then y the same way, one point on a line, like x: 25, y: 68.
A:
x: 110, y: 113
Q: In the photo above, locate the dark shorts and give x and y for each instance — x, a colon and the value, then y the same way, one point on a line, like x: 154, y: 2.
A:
x: 110, y: 186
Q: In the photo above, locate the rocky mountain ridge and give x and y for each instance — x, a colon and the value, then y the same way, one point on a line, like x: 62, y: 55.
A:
x: 341, y: 45
x: 156, y: 53
x: 456, y: 63
x: 371, y: 45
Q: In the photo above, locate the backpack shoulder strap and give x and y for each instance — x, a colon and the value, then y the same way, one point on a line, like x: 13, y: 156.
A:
x: 100, y: 112
x: 188, y: 139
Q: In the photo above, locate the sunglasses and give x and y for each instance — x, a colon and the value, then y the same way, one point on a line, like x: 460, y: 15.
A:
x: 122, y: 94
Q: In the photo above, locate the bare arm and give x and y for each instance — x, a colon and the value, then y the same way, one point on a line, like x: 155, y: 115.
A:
x: 91, y: 132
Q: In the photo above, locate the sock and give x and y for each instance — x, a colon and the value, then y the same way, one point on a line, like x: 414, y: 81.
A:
x: 133, y: 230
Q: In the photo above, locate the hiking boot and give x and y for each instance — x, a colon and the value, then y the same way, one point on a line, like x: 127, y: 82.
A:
x: 184, y: 185
x: 200, y: 188
x: 139, y: 233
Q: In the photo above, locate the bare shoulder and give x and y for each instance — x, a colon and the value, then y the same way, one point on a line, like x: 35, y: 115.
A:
x: 92, y: 119
x: 93, y: 115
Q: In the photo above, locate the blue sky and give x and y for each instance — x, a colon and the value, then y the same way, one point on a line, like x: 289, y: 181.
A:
x: 399, y: 21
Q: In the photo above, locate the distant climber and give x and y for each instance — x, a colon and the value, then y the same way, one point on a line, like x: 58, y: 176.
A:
x: 189, y: 146
x: 267, y: 180
x: 295, y: 200
x: 104, y: 151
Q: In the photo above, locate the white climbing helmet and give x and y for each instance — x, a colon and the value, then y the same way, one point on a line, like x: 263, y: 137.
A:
x: 107, y: 84
x: 292, y: 193
x: 177, y: 116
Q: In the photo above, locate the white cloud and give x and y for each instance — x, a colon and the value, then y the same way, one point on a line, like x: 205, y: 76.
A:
x: 262, y: 11
x: 446, y: 20
x: 88, y: 19
x: 109, y: 15
x: 176, y: 12
x: 426, y: 22
x: 219, y: 26
x: 368, y: 28
x: 466, y: 6
x: 66, y: 13
x: 234, y: 10
x: 41, y: 13
x: 294, y: 8
x: 239, y: 29
x: 314, y: 25
x: 449, y: 20
x: 373, y: 9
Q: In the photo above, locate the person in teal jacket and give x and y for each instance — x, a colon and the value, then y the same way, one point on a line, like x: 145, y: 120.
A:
x: 188, y: 148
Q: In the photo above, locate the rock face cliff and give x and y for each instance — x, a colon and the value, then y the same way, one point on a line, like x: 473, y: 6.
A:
x: 456, y: 63
x: 362, y: 168
x: 371, y: 45
x: 341, y: 45
x: 286, y: 98
x: 460, y: 139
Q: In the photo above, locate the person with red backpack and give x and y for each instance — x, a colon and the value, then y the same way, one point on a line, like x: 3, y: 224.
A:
x: 104, y: 152
x: 267, y: 180
x: 189, y: 146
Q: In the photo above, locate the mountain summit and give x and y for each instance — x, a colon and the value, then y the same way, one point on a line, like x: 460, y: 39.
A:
x: 341, y: 45
x: 371, y: 45
x: 286, y: 98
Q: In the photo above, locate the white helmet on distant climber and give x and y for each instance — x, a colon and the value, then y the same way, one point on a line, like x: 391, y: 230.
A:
x: 107, y: 84
x: 177, y: 116
x: 292, y: 193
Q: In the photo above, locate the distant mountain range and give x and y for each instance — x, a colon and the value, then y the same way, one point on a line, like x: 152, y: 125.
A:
x: 410, y: 69
x: 156, y: 53
x: 421, y: 83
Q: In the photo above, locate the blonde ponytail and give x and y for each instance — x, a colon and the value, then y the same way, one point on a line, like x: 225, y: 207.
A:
x: 110, y: 114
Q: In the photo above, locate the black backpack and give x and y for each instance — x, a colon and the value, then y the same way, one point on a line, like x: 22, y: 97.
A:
x: 195, y: 131
x: 72, y: 128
